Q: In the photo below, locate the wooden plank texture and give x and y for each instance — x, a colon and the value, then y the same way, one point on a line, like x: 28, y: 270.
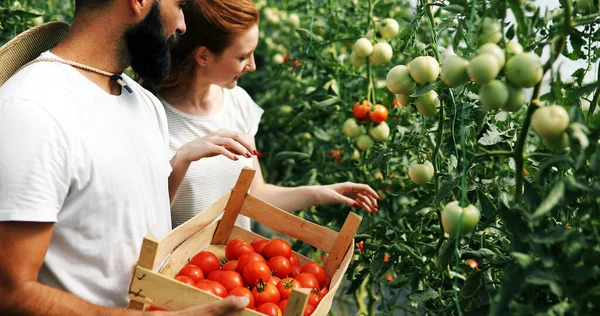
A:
x: 288, y: 224
x: 232, y: 210
x: 191, y: 227
x: 343, y: 241
x: 171, y: 294
x: 297, y: 302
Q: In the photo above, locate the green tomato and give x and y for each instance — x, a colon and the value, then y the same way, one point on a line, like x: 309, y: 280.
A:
x: 355, y: 155
x: 389, y: 28
x: 557, y: 144
x: 451, y: 218
x: 421, y: 173
x: 351, y: 128
x: 424, y: 69
x: 454, y: 71
x: 491, y: 48
x: 37, y: 20
x: 524, y: 70
x: 550, y: 121
x: 513, y: 48
x: 382, y: 54
x: 428, y: 103
x: 404, y: 99
x: 490, y: 31
x: 294, y: 20
x: 357, y: 61
x: 380, y: 132
x: 364, y: 142
x: 363, y: 47
x: 516, y: 99
x: 399, y: 81
x: 278, y: 59
x: 483, y: 68
x: 493, y: 95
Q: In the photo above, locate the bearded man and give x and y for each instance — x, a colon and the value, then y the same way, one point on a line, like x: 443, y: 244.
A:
x: 84, y: 172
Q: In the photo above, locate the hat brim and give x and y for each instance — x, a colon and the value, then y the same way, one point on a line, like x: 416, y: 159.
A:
x: 28, y: 45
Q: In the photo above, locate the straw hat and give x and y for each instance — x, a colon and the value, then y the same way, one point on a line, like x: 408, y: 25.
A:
x: 28, y: 45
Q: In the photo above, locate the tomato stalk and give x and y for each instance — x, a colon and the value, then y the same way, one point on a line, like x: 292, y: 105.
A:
x: 534, y: 104
x: 594, y: 102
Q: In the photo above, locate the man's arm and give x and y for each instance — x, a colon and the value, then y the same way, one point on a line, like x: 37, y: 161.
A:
x: 24, y: 246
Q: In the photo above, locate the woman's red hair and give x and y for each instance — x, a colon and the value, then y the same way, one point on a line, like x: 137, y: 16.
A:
x: 209, y: 23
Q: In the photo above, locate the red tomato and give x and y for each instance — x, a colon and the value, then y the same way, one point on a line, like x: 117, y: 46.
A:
x: 274, y: 280
x: 294, y: 259
x: 316, y: 270
x: 242, y: 291
x: 264, y: 293
x: 206, y: 261
x: 323, y: 292
x: 155, y: 309
x: 256, y: 271
x: 327, y: 282
x: 280, y: 266
x: 259, y: 245
x: 285, y: 287
x: 212, y: 287
x: 237, y: 247
x: 309, y: 310
x: 308, y: 280
x: 361, y: 246
x: 193, y: 272
x: 277, y: 247
x: 230, y: 280
x: 247, y: 258
x: 295, y: 270
x: 270, y: 309
x: 314, y: 299
x: 184, y: 279
x: 361, y: 110
x: 378, y: 114
x: 282, y: 305
x: 214, y: 275
x: 230, y: 265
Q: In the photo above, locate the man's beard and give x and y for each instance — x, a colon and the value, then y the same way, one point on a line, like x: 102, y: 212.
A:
x: 148, y: 48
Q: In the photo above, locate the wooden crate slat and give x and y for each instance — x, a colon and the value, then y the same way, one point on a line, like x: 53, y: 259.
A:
x: 288, y: 224
x: 232, y: 210
x: 191, y: 227
x: 148, y: 252
x: 336, y: 282
x: 175, y: 294
x: 187, y: 250
x: 343, y: 241
x: 297, y: 302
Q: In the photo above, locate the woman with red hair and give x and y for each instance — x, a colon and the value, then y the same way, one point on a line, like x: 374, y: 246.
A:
x: 201, y: 96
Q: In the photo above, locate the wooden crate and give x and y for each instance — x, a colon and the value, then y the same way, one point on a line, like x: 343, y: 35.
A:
x: 202, y: 232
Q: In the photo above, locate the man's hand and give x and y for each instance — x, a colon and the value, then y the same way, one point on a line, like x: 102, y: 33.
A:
x: 223, y: 307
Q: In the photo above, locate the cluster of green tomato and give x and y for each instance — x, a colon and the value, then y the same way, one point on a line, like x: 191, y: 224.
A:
x: 380, y: 53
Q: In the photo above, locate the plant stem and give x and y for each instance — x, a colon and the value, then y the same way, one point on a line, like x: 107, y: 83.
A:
x: 594, y: 102
x: 586, y: 19
x: 518, y: 152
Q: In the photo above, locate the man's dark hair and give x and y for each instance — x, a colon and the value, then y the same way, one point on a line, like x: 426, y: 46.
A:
x: 90, y: 5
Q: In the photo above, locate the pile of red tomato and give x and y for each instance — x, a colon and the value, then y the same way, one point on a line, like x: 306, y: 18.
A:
x: 264, y: 271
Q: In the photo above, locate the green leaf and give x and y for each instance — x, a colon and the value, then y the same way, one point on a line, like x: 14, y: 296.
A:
x: 512, y: 282
x: 322, y: 135
x: 573, y: 95
x: 423, y: 295
x: 377, y: 262
x: 424, y: 89
x: 554, y: 197
x: 454, y: 8
x: 523, y: 260
x: 446, y: 254
x: 472, y: 285
x: 291, y: 155
x: 448, y: 184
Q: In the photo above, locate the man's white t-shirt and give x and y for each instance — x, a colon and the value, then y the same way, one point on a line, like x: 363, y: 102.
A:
x: 93, y: 163
x: 209, y: 178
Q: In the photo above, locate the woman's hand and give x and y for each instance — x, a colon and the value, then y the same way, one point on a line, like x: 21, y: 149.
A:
x: 349, y: 193
x: 220, y: 142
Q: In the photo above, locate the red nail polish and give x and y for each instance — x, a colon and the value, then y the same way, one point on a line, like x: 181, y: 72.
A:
x: 248, y: 155
x: 235, y: 158
x: 255, y: 152
x: 356, y: 204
